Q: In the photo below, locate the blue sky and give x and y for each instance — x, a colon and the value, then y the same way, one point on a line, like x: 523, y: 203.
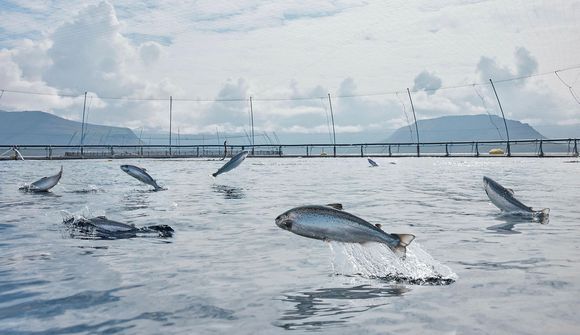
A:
x: 271, y: 49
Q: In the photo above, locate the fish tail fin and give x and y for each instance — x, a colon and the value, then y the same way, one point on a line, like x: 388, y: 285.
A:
x: 401, y: 248
x: 214, y: 174
x: 543, y: 213
x: 164, y: 230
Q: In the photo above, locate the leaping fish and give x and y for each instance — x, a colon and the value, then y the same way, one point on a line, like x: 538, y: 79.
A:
x: 101, y: 227
x: 503, y: 198
x: 372, y: 162
x: 232, y: 163
x: 141, y: 175
x: 44, y: 184
x: 330, y: 224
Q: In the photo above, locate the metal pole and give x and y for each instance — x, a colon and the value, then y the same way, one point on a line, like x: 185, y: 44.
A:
x: 332, y: 118
x: 416, y: 125
x: 170, y: 117
x: 252, y: 118
x: 504, y: 122
x: 83, y: 124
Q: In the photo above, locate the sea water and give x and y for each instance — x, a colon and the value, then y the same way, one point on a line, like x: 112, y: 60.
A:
x: 229, y: 268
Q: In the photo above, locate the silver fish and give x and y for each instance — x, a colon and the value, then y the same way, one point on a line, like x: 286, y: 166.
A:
x: 503, y: 198
x: 372, y: 162
x: 329, y: 224
x: 141, y: 175
x: 101, y: 227
x: 232, y: 163
x: 44, y: 184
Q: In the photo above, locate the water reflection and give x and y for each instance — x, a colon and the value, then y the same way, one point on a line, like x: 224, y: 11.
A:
x: 48, y: 308
x: 509, y: 221
x: 314, y: 310
x: 86, y: 190
x: 229, y: 192
x: 136, y: 200
x: 48, y: 194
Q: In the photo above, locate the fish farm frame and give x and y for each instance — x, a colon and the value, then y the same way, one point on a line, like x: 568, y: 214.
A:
x: 514, y: 148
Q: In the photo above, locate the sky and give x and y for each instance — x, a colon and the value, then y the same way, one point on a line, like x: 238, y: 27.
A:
x: 212, y: 56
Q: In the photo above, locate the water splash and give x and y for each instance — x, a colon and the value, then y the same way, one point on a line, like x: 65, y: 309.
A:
x: 375, y: 260
x: 83, y: 213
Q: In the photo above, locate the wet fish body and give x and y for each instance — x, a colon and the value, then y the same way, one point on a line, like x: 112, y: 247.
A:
x: 141, y: 175
x: 503, y: 198
x: 44, y: 184
x: 101, y: 227
x: 233, y: 163
x: 329, y: 224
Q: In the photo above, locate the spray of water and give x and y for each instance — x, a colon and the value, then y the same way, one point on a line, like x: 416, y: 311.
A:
x: 375, y: 260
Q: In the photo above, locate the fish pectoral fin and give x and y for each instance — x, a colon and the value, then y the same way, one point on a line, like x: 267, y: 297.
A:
x: 335, y: 206
x: 511, y: 191
x: 378, y: 225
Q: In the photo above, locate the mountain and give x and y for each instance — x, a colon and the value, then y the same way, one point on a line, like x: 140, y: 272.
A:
x: 33, y: 127
x: 564, y: 131
x: 464, y: 128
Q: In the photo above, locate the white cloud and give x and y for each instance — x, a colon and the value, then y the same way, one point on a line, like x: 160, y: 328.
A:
x: 427, y: 81
x: 150, y: 52
x: 293, y: 49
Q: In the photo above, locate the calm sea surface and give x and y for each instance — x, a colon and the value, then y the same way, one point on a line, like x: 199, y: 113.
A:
x: 230, y: 269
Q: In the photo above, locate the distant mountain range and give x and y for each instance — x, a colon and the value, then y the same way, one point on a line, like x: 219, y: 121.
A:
x: 33, y: 127
x: 464, y: 128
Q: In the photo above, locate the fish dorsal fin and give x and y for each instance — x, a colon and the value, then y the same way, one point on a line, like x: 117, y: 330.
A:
x: 378, y: 225
x: 510, y: 191
x: 102, y: 217
x: 335, y: 206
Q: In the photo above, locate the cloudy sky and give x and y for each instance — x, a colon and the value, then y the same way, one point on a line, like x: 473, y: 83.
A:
x: 130, y: 56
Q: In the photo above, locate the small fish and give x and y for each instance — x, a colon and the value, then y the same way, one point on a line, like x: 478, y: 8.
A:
x: 372, y: 162
x: 232, y: 163
x: 101, y: 227
x: 141, y: 175
x: 503, y: 198
x: 44, y: 184
x: 329, y: 224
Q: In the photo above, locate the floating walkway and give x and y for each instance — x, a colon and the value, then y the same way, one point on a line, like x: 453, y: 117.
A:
x: 518, y: 148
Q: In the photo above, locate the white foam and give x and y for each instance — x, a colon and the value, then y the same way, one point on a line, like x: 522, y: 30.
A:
x: 375, y: 260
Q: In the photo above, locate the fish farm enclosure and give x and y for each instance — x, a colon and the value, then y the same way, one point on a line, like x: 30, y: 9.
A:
x: 516, y: 148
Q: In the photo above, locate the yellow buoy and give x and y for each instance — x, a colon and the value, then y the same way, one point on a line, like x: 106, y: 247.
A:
x: 496, y: 151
